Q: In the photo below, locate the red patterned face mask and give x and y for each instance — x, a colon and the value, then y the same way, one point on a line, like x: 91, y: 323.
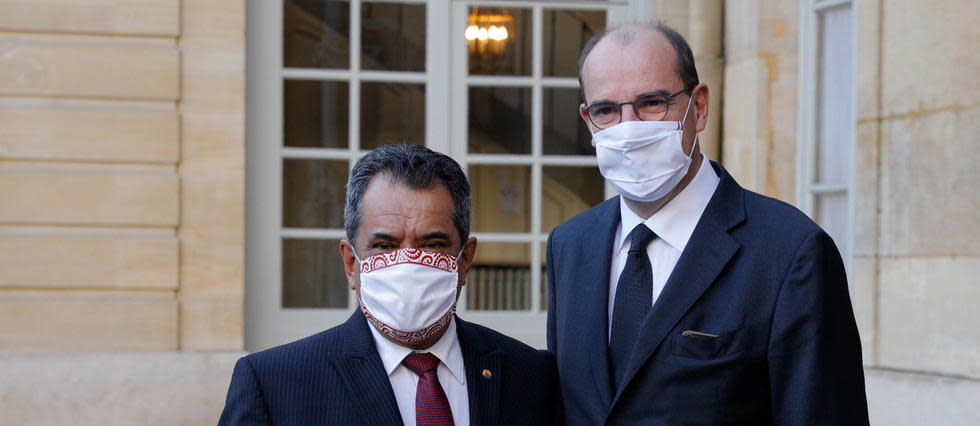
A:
x: 409, y: 294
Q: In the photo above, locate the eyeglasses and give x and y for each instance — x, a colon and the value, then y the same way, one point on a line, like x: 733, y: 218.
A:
x: 647, y: 107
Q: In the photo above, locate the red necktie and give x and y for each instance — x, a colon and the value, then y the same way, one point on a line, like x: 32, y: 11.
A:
x: 431, y: 404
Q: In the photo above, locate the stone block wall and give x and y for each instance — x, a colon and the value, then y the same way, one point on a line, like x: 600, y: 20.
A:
x: 916, y: 222
x: 925, y: 110
x: 121, y: 207
x: 121, y: 174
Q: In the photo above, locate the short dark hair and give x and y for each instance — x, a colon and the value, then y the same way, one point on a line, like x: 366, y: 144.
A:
x: 416, y: 167
x: 686, y: 70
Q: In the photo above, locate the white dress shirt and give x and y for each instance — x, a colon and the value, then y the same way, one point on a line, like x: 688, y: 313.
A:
x: 452, y: 375
x: 673, y: 223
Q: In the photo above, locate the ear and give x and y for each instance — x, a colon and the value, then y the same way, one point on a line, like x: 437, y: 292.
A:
x: 585, y: 118
x: 702, y: 98
x: 466, y: 259
x: 351, y: 267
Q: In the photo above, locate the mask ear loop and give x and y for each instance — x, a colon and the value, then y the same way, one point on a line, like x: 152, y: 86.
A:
x: 697, y: 142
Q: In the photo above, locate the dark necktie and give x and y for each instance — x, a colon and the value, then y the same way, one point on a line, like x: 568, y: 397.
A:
x: 634, y: 295
x: 431, y: 404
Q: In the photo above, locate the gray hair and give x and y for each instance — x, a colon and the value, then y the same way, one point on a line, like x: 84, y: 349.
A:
x: 686, y: 70
x: 416, y: 167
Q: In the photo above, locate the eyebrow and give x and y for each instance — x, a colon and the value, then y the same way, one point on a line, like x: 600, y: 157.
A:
x: 382, y: 236
x: 436, y: 236
x: 658, y: 92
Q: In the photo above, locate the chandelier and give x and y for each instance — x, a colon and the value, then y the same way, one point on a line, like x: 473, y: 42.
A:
x: 488, y: 30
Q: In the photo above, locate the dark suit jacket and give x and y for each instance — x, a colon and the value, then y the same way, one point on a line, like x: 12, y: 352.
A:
x: 336, y: 378
x: 756, y: 272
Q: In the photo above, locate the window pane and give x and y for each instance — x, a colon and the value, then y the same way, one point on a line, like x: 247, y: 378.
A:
x: 313, y: 193
x: 499, y: 41
x: 315, y: 114
x: 565, y: 32
x: 564, y: 131
x: 500, y: 278
x: 568, y: 191
x: 316, y: 34
x: 835, y: 86
x: 501, y: 198
x: 833, y: 216
x: 500, y: 120
x: 393, y: 36
x: 312, y: 274
x: 392, y: 113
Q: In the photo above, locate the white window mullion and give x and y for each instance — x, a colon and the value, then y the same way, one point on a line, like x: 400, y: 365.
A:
x: 552, y: 4
x: 354, y: 100
x: 537, y: 128
x: 438, y: 114
x: 506, y: 237
x: 459, y: 89
x: 806, y: 113
x: 264, y: 176
x: 313, y: 233
x: 827, y: 188
x: 354, y: 114
x: 821, y: 5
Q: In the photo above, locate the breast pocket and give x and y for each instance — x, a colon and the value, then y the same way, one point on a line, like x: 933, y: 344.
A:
x: 702, y: 367
x: 701, y: 345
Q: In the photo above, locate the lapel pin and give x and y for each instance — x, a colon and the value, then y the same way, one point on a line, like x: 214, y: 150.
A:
x: 487, y: 374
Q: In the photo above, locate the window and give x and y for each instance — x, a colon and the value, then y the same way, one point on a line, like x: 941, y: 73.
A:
x: 827, y: 123
x: 492, y: 84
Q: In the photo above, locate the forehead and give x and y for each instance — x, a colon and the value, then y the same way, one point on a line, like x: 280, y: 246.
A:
x: 619, y: 69
x: 396, y: 209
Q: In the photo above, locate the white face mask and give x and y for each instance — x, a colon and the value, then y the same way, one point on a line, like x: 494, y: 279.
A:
x: 409, y: 294
x: 643, y: 160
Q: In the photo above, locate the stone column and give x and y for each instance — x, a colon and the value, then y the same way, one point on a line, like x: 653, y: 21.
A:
x: 700, y: 22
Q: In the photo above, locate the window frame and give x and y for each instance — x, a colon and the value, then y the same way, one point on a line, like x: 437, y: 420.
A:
x: 267, y: 322
x: 807, y: 156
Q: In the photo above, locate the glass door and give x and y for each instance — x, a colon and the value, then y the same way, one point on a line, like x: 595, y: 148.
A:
x: 527, y: 153
x: 493, y: 84
x: 334, y: 79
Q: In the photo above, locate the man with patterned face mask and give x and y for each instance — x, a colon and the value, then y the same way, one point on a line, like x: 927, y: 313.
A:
x: 403, y: 357
x: 687, y: 299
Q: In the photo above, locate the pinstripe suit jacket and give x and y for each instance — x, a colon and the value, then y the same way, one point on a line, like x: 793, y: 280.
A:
x: 336, y: 378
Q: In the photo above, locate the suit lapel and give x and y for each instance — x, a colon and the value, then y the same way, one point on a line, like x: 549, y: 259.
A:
x: 483, y: 391
x: 364, y: 375
x: 706, y: 254
x: 595, y: 259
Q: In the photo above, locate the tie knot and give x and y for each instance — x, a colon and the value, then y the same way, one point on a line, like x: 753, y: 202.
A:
x: 640, y: 237
x: 421, y: 363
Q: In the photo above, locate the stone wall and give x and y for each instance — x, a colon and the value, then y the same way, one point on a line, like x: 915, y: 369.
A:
x: 916, y: 221
x: 121, y: 209
x: 114, y: 389
x: 121, y: 174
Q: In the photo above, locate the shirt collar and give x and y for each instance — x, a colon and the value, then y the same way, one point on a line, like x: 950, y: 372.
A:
x: 446, y: 349
x: 674, y: 222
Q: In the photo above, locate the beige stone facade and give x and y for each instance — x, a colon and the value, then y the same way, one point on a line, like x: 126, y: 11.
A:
x: 122, y: 164
x: 121, y: 209
x: 916, y: 217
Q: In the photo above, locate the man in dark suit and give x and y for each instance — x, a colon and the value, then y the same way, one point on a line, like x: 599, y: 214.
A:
x: 404, y: 357
x: 689, y: 300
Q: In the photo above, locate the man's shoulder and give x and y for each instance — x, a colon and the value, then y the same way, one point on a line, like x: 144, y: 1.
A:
x: 777, y: 216
x: 588, y: 219
x: 512, y: 348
